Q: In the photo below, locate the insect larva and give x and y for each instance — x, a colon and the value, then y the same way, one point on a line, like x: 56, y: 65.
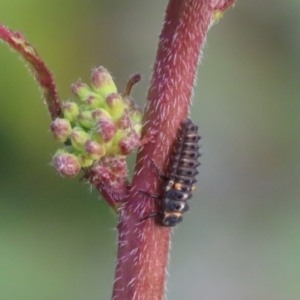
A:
x: 182, y: 176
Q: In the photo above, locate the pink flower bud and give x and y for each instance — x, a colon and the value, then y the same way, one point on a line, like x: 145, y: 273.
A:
x: 126, y: 145
x: 103, y: 82
x: 124, y: 122
x: 94, y: 150
x: 66, y: 164
x: 61, y: 129
x: 129, y: 143
x: 101, y: 78
x: 106, y: 129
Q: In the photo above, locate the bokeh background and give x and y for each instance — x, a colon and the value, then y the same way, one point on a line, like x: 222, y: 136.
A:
x: 241, y: 239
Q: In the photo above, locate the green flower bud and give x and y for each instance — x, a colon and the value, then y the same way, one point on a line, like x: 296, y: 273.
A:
x: 66, y: 164
x: 78, y: 138
x: 95, y: 136
x: 70, y: 111
x: 101, y: 114
x: 119, y: 135
x: 109, y: 148
x: 136, y: 115
x: 114, y: 147
x: 103, y: 82
x: 115, y: 105
x: 81, y: 90
x: 61, y: 129
x: 137, y: 128
x: 85, y: 119
x: 84, y: 161
x: 94, y: 100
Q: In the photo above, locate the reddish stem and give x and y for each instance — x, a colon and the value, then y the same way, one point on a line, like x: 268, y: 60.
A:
x: 143, y: 246
x: 40, y: 71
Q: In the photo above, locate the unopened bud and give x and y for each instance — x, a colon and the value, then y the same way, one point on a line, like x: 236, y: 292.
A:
x: 124, y: 122
x: 84, y: 161
x: 66, y: 164
x: 94, y: 150
x: 103, y: 82
x: 137, y: 128
x: 70, y: 111
x: 115, y: 105
x: 61, y: 129
x: 81, y: 90
x: 85, y: 119
x: 127, y: 145
x: 78, y: 138
x: 136, y: 115
x: 101, y: 114
x: 106, y: 129
x: 94, y: 100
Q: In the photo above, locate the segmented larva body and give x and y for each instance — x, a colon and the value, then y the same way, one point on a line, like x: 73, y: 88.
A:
x: 182, y: 175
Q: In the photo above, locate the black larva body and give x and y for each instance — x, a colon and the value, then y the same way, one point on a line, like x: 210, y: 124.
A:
x: 182, y: 175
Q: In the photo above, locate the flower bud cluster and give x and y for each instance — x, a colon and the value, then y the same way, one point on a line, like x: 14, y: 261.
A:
x: 100, y: 124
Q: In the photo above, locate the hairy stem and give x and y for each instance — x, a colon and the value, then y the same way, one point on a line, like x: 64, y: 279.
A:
x: 143, y: 246
x: 40, y: 71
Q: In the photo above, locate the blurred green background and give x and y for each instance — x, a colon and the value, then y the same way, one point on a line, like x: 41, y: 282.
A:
x: 241, y: 239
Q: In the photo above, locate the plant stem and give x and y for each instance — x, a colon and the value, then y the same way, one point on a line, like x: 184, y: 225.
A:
x: 143, y: 247
x: 39, y: 69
